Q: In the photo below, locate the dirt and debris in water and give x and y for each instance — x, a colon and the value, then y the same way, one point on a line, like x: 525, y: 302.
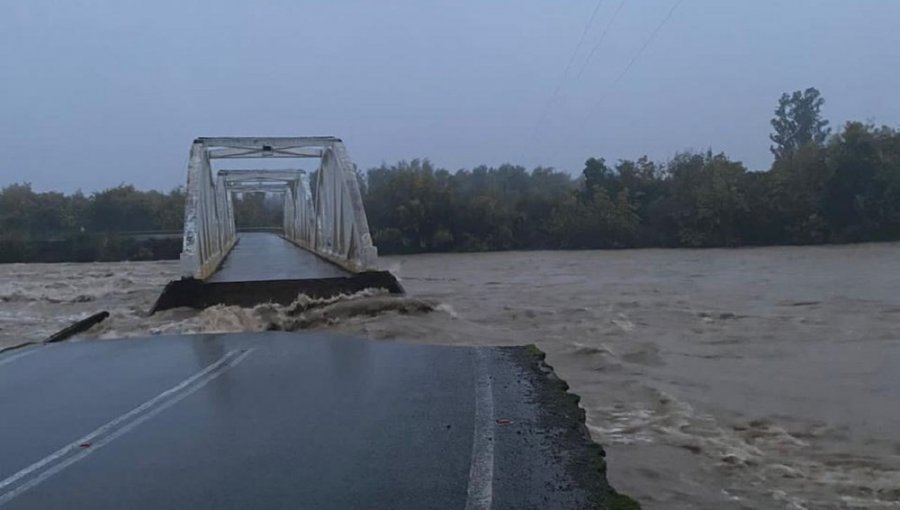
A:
x: 728, y: 379
x: 314, y: 315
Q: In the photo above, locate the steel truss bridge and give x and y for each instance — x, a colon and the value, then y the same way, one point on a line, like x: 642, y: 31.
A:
x: 323, y: 211
x: 324, y: 247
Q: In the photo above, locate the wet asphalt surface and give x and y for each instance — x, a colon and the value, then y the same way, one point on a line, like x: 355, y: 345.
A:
x: 285, y: 420
x: 262, y: 256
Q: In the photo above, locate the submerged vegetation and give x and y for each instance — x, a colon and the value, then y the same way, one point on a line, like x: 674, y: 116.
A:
x: 823, y: 187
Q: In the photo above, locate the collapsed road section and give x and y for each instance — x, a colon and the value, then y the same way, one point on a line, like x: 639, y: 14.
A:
x: 285, y: 420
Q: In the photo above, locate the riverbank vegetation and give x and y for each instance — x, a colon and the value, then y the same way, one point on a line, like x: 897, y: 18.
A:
x: 823, y: 187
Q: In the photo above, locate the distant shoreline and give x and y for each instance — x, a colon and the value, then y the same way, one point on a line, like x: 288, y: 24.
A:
x: 149, y: 250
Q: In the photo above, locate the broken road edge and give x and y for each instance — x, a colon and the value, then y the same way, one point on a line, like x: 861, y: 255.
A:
x: 199, y: 294
x: 559, y: 405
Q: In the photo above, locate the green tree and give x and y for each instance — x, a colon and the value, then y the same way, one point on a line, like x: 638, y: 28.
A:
x: 798, y: 121
x: 598, y: 176
x: 862, y: 198
x: 794, y: 202
x: 710, y: 203
x: 258, y: 210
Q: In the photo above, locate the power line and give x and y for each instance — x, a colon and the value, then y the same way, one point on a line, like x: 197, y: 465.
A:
x: 634, y: 59
x: 646, y: 44
x: 600, y: 41
x: 565, y: 73
x: 584, y: 34
x: 628, y: 67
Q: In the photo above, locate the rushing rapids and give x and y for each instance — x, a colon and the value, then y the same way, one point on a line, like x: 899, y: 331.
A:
x: 759, y: 378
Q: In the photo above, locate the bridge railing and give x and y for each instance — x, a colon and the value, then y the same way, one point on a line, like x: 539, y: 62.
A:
x: 341, y: 229
x: 325, y: 216
x: 209, y: 232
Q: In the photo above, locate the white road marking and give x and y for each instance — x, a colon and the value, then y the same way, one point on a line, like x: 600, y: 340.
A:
x: 480, y: 492
x: 152, y: 407
x: 18, y: 355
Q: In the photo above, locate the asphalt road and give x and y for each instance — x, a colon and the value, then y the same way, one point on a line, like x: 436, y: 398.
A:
x: 284, y: 420
x: 260, y: 256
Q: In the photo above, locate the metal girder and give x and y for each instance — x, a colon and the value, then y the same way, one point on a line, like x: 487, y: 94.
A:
x: 266, y: 151
x: 272, y: 183
x: 262, y: 174
x: 250, y: 188
x: 330, y: 222
x: 281, y: 142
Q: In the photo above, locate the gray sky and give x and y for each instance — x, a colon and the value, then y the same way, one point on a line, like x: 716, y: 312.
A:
x: 97, y: 93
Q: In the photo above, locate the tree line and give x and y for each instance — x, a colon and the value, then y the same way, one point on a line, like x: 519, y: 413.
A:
x: 822, y: 187
x: 119, y: 223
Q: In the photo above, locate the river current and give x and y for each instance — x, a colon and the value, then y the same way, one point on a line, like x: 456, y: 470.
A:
x: 716, y: 379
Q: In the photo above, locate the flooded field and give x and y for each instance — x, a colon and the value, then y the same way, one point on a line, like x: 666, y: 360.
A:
x: 754, y: 378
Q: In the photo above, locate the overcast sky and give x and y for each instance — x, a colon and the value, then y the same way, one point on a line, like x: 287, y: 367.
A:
x: 94, y: 93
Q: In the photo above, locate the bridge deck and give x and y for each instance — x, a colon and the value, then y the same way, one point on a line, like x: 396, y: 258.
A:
x: 282, y: 420
x: 264, y: 257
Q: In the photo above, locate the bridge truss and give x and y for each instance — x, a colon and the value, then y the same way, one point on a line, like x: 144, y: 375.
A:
x: 325, y: 215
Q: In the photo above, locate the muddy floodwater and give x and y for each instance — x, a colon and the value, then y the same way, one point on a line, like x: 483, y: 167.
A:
x: 717, y: 379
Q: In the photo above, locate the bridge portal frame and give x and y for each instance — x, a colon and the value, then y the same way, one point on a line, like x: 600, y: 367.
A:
x: 328, y: 219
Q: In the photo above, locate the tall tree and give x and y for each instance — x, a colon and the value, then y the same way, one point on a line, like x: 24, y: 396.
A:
x: 798, y: 121
x: 597, y: 176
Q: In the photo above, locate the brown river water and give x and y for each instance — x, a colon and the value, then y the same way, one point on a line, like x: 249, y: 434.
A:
x: 721, y: 379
